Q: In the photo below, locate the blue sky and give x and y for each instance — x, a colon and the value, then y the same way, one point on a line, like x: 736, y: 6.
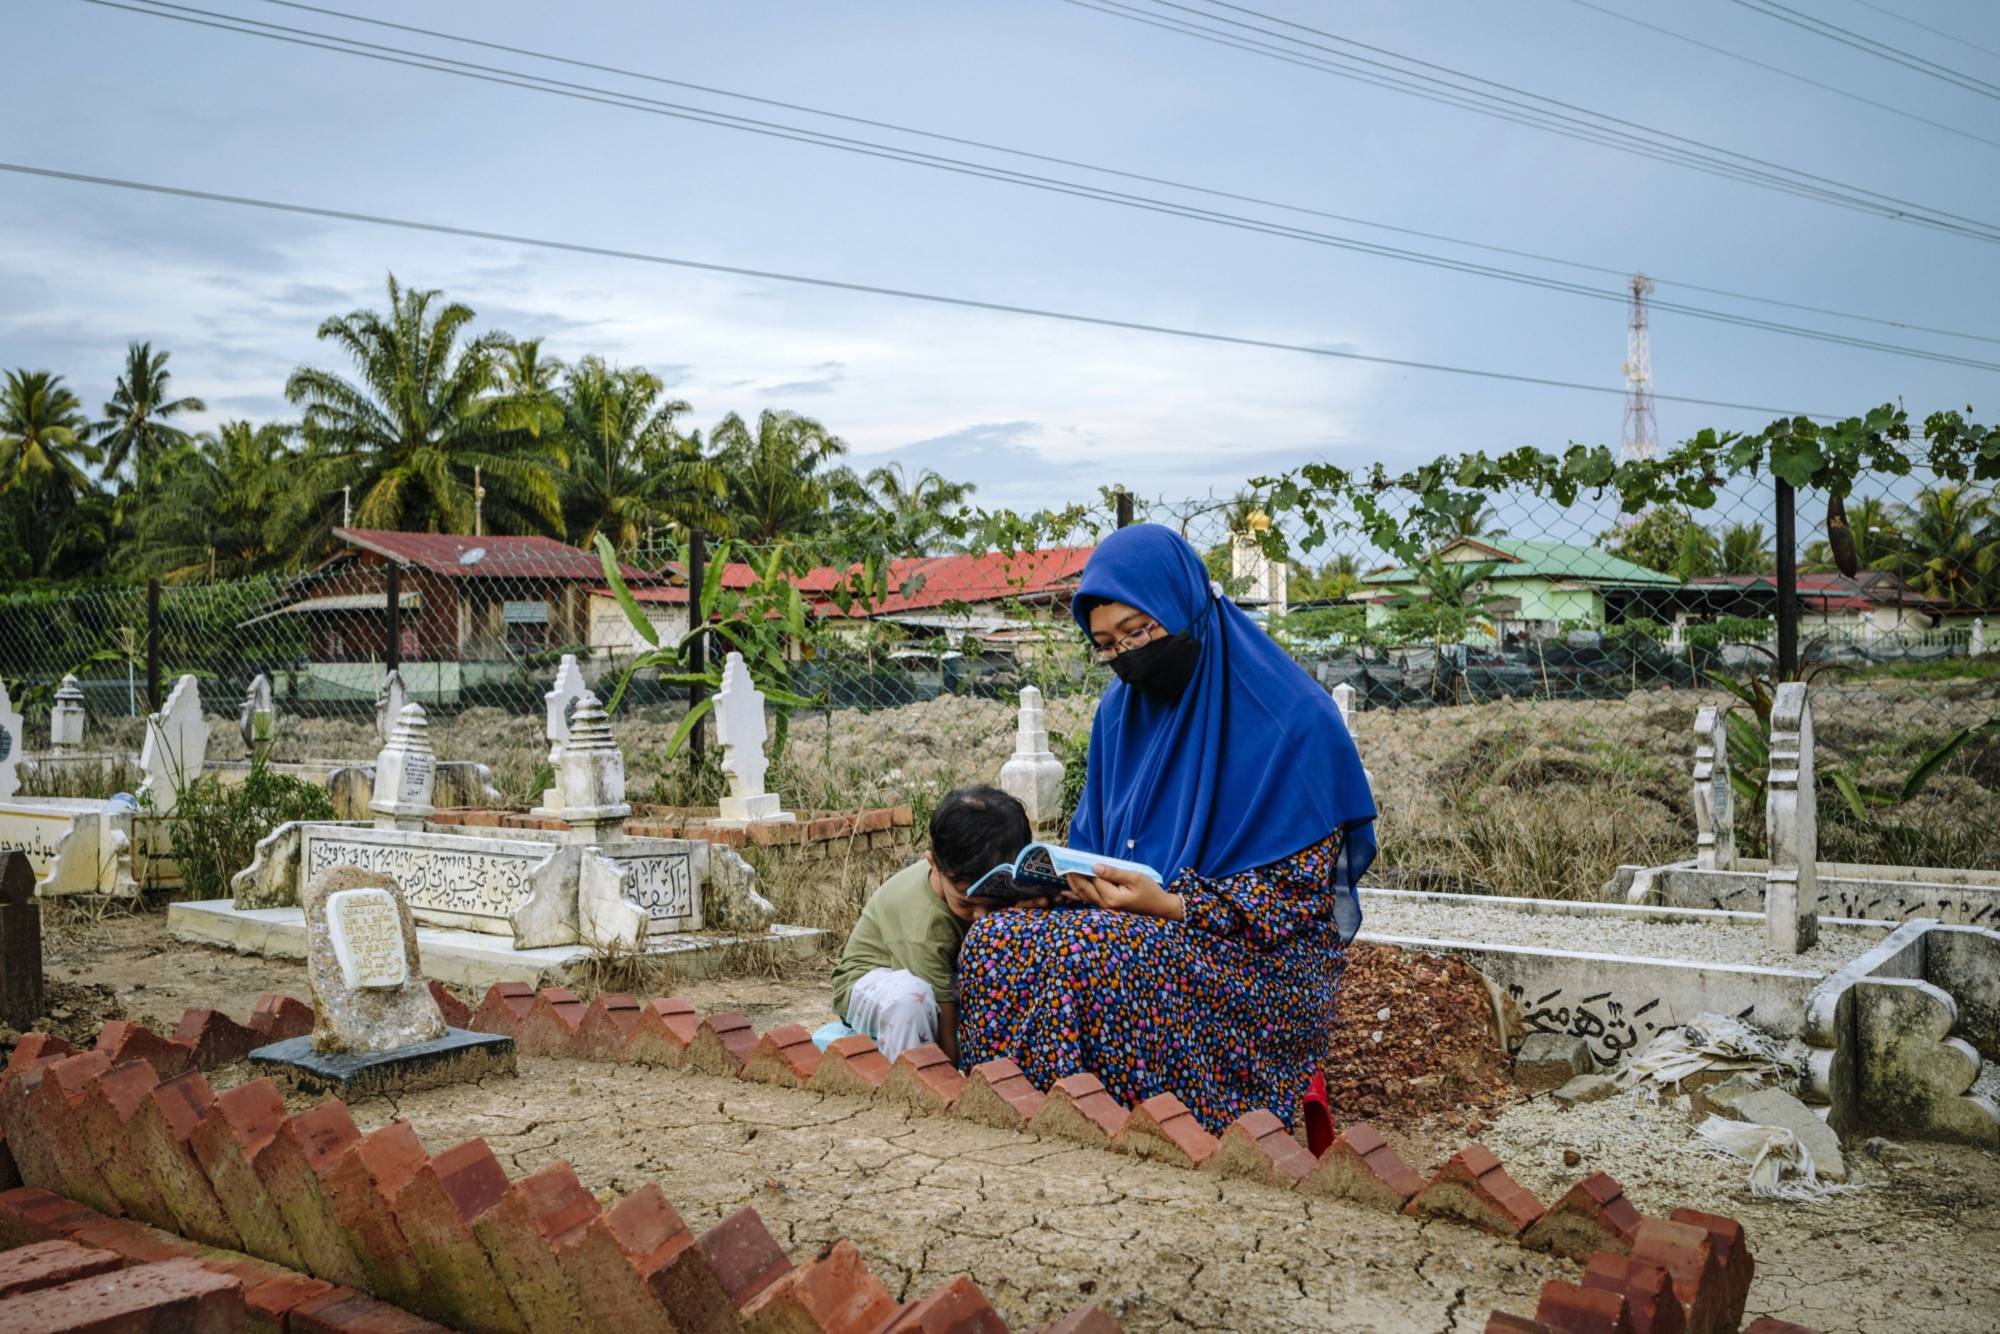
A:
x: 1036, y: 413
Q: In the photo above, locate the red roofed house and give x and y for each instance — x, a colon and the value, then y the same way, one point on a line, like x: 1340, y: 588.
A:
x: 465, y: 601
x: 1872, y: 605
x: 981, y: 596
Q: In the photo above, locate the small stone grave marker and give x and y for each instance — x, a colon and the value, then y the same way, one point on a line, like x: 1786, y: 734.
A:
x: 561, y: 699
x: 1791, y: 823
x: 66, y: 717
x: 1034, y: 776
x: 405, y: 773
x: 376, y: 1026
x: 176, y: 747
x: 257, y: 719
x: 739, y: 726
x: 21, y: 997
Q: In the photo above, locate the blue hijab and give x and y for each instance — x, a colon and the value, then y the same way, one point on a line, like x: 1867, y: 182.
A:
x: 1251, y: 765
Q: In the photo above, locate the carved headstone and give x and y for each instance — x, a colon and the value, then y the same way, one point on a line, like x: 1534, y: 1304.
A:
x: 66, y: 717
x: 10, y: 746
x: 405, y: 773
x: 590, y: 776
x: 1975, y: 644
x: 1791, y: 824
x: 389, y: 702
x: 351, y: 789
x: 368, y: 991
x: 21, y: 996
x: 1034, y: 776
x: 1714, y: 800
x: 562, y: 699
x: 176, y: 747
x: 257, y: 720
x: 739, y: 726
x: 1343, y: 699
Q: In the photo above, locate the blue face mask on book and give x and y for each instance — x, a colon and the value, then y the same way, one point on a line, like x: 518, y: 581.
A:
x: 1041, y: 871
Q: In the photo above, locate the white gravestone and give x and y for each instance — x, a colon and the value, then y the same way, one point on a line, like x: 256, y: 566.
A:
x: 562, y: 700
x: 589, y: 789
x: 1714, y: 800
x: 739, y: 726
x: 389, y: 702
x: 405, y: 773
x: 10, y: 746
x: 1034, y: 776
x: 366, y: 933
x: 257, y: 719
x: 1791, y: 825
x: 1343, y: 699
x: 176, y: 746
x: 1975, y: 645
x: 66, y: 718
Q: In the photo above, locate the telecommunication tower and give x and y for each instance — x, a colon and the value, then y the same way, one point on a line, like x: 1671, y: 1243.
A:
x: 1642, y: 425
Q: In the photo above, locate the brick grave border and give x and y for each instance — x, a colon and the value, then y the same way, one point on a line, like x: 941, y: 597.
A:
x: 131, y: 1128
x: 133, y: 1196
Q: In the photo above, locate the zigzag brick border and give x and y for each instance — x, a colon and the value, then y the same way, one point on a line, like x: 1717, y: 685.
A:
x: 131, y: 1193
x: 1592, y: 1224
x: 401, y: 1213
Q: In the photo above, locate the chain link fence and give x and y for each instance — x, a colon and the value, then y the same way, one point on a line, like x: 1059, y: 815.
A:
x: 1523, y: 693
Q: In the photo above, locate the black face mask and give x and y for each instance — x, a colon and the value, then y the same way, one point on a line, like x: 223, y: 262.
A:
x: 1161, y: 669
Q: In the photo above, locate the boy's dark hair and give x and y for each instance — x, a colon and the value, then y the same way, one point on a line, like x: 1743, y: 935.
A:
x: 975, y: 829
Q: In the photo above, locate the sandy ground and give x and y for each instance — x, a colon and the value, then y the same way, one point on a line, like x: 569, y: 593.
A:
x: 1042, y: 1225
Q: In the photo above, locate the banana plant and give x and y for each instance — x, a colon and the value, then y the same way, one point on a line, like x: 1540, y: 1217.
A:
x: 1750, y: 743
x: 756, y: 622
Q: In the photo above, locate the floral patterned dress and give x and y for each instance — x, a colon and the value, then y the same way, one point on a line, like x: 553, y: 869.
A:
x: 1229, y: 1008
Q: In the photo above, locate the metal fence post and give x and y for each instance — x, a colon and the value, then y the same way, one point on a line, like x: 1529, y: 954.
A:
x: 392, y: 652
x: 153, y: 645
x: 1124, y: 509
x: 697, y: 655
x: 1788, y: 581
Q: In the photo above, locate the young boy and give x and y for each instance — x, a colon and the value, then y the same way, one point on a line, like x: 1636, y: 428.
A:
x: 897, y: 979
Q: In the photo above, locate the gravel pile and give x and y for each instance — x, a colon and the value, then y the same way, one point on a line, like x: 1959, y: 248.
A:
x: 1609, y: 933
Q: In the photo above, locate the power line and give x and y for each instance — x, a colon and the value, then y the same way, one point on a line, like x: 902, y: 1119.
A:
x: 1619, y: 272
x: 1779, y: 70
x: 1614, y: 132
x: 511, y: 78
x: 1881, y: 50
x: 841, y: 285
x: 1905, y: 18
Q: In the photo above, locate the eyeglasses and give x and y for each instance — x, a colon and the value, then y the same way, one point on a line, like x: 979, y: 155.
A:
x: 1145, y: 634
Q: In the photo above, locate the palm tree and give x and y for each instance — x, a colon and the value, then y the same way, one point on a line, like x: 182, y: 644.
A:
x: 783, y: 481
x: 630, y: 471
x: 136, y: 424
x: 1478, y: 522
x: 426, y: 412
x: 1952, y: 546
x: 529, y: 382
x: 45, y: 457
x: 1745, y: 550
x: 207, y: 519
x: 917, y: 509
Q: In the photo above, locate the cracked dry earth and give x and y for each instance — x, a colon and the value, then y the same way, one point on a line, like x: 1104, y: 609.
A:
x: 1041, y: 1225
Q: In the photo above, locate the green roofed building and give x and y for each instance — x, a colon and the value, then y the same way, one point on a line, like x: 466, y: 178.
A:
x: 1536, y: 589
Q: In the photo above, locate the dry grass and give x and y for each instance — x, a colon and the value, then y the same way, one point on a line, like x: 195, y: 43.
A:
x: 1541, y: 798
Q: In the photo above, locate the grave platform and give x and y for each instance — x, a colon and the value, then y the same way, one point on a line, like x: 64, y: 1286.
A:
x: 459, y: 1057
x: 475, y: 959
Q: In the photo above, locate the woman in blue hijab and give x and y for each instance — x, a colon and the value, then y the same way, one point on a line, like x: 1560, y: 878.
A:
x: 1216, y: 759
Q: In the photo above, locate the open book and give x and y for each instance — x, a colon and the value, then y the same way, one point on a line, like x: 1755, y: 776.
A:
x: 1040, y: 871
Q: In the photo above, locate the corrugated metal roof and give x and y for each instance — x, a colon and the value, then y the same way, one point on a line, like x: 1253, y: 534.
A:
x: 1546, y: 560
x: 921, y: 582
x: 459, y: 556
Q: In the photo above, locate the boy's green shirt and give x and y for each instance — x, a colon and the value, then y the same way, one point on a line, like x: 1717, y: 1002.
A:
x: 904, y: 925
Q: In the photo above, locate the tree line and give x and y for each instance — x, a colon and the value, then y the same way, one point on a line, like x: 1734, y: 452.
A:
x: 432, y: 426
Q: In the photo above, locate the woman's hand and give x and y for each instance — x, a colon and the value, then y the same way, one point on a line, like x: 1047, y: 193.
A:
x: 1124, y: 891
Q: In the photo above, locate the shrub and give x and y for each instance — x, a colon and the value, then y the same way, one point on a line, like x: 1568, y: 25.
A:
x: 217, y: 826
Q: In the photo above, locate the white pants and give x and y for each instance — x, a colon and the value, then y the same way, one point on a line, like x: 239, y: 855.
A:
x: 895, y: 1007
